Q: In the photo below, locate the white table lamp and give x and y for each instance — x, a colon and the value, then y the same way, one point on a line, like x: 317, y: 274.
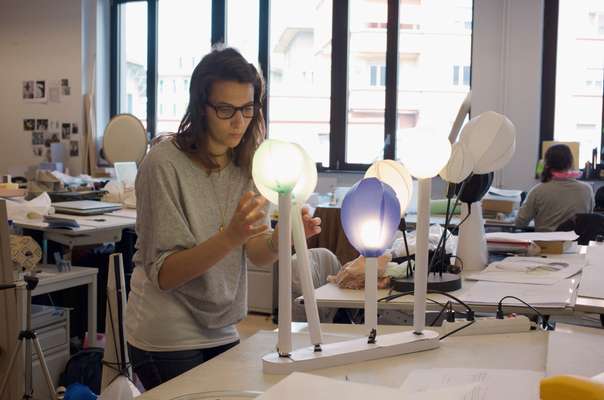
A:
x: 265, y: 161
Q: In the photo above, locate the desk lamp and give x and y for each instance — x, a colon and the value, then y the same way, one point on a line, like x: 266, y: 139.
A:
x: 277, y: 165
x: 304, y: 186
x: 424, y: 155
x: 370, y: 216
x: 489, y: 141
x: 286, y: 360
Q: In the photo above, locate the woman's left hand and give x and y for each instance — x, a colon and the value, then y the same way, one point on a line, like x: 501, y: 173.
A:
x: 312, y: 226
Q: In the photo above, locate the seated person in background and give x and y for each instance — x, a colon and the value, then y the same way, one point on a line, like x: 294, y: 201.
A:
x: 559, y: 196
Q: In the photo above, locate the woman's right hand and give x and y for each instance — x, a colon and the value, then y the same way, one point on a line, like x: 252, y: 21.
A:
x: 249, y: 211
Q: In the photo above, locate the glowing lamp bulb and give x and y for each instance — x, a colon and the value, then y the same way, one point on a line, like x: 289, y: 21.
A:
x: 424, y: 154
x: 277, y: 165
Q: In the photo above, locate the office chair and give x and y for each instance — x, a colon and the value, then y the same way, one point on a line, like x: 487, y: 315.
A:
x: 587, y: 226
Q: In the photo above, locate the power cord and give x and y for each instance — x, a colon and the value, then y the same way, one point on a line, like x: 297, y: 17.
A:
x: 545, y: 325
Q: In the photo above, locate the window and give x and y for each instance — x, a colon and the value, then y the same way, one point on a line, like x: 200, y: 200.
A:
x: 344, y: 88
x: 183, y: 33
x: 377, y: 75
x: 464, y: 78
x: 430, y: 89
x: 132, y: 61
x: 300, y: 80
x: 241, y: 34
x: 573, y: 108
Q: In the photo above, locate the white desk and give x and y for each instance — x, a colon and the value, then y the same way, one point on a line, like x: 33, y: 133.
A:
x: 94, y: 229
x: 50, y: 280
x: 240, y: 368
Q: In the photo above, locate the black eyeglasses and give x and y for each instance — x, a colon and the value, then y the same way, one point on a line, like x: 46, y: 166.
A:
x: 227, y: 111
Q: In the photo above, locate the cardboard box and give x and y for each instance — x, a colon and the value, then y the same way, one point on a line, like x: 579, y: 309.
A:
x: 554, y: 246
x: 498, y: 206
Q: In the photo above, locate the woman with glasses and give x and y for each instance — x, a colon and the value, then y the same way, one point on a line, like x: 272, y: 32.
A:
x: 199, y: 219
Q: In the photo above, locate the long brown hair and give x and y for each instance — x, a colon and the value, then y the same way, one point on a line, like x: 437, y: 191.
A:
x: 557, y: 158
x: 221, y: 64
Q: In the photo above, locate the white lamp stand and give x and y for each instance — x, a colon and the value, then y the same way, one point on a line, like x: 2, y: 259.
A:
x: 363, y: 349
x: 284, y: 339
x: 471, y: 242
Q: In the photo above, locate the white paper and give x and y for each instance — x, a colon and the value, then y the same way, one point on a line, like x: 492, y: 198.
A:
x: 592, y: 283
x: 532, y: 236
x: 504, y: 192
x: 575, y: 353
x: 298, y: 386
x: 533, y: 270
x: 489, y: 384
x: 558, y: 295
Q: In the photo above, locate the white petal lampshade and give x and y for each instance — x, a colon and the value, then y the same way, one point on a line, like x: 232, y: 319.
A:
x: 305, y: 186
x: 424, y: 154
x: 460, y: 164
x: 396, y: 175
x: 491, y: 138
x: 277, y: 165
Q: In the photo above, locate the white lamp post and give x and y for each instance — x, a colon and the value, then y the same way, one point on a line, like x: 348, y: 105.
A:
x: 424, y: 155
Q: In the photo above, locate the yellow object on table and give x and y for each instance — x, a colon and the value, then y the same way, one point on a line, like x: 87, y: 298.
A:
x: 569, y: 387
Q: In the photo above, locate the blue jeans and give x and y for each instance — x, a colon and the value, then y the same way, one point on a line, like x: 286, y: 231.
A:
x: 156, y: 367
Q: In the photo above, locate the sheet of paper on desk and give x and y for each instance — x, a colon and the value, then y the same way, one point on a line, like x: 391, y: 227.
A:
x: 558, y: 295
x: 533, y: 270
x: 533, y: 236
x: 489, y: 384
x: 592, y: 283
x: 504, y: 192
x: 298, y: 386
x: 574, y: 353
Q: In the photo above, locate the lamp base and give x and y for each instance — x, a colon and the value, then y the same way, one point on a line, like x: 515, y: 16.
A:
x: 350, y: 351
x: 445, y: 283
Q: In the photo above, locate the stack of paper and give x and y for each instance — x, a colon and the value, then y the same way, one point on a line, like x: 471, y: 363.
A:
x: 531, y: 270
x: 558, y: 295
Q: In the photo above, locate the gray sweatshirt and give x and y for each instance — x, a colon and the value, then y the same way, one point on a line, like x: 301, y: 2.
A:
x: 178, y: 207
x: 554, y: 202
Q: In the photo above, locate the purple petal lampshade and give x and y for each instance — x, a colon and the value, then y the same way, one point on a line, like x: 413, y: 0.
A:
x: 370, y: 216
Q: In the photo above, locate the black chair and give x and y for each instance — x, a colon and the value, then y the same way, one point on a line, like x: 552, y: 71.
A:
x: 587, y: 226
x: 599, y: 199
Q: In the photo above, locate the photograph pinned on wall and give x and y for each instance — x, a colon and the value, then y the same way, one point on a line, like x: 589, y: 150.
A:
x: 28, y: 90
x: 40, y: 91
x: 74, y: 128
x: 64, y: 82
x: 54, y: 138
x: 42, y: 124
x: 66, y: 90
x: 74, y: 148
x: 38, y: 150
x: 65, y: 134
x: 37, y: 138
x: 47, y: 142
x: 65, y: 129
x: 29, y: 124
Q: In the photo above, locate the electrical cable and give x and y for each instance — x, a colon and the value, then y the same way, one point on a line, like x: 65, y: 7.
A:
x: 457, y: 330
x: 545, y: 324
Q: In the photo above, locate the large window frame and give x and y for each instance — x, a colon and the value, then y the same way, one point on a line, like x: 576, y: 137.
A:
x: 548, y: 76
x: 339, y: 71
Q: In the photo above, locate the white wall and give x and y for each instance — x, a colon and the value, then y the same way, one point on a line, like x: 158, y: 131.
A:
x: 39, y: 39
x: 506, y: 77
